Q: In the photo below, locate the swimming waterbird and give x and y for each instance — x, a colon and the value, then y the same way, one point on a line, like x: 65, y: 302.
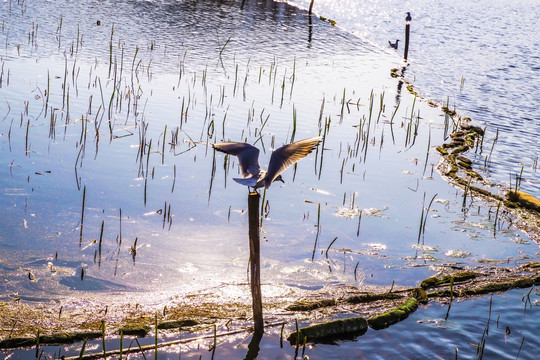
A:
x: 408, y: 18
x: 394, y: 45
x: 281, y: 159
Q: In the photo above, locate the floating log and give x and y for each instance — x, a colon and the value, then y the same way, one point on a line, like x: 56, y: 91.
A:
x: 396, y: 315
x: 524, y: 200
x: 331, y: 330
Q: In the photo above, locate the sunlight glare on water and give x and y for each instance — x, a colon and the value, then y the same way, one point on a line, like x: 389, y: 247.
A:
x: 110, y: 189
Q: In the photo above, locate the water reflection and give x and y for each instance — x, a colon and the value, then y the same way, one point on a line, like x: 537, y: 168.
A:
x: 254, y: 346
x: 133, y: 113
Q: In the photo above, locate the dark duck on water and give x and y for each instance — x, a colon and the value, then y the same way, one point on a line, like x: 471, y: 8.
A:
x: 394, y: 45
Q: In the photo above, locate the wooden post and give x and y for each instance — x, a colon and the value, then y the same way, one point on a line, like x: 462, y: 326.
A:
x: 311, y: 6
x: 407, y: 29
x: 255, y: 261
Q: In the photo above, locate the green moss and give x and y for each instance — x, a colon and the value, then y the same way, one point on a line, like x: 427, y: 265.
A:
x: 487, y: 288
x: 511, y: 204
x: 337, y: 329
x: 16, y: 342
x: 461, y: 149
x: 452, y: 171
x: 524, y: 200
x: 472, y: 129
x: 359, y: 299
x: 393, y: 316
x: 139, y: 330
x: 420, y: 295
x: 447, y: 111
x: 464, y: 164
x: 464, y: 159
x: 175, y: 324
x: 442, y: 150
x: 454, y: 143
x: 457, y: 134
x: 68, y: 338
x: 446, y: 279
x: 310, y: 305
x: 473, y: 174
x: 51, y: 339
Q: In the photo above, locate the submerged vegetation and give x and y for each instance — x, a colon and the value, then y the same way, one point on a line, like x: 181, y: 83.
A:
x: 380, y: 309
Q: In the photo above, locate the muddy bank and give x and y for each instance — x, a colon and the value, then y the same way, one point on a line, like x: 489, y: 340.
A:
x: 23, y: 323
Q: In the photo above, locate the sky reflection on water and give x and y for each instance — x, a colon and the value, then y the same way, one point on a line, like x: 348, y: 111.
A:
x: 167, y: 76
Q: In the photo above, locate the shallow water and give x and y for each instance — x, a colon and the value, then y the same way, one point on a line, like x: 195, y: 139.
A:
x: 480, y: 57
x: 426, y: 334
x: 207, y: 72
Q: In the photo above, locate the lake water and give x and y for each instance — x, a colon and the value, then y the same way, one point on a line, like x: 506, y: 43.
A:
x: 108, y: 118
x: 481, y: 57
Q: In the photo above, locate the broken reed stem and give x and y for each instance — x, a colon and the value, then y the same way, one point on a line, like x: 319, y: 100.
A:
x: 451, y: 297
x: 330, y: 246
x: 82, y: 216
x: 318, y: 231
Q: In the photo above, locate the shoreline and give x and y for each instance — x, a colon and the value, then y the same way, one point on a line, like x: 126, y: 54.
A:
x: 38, y: 322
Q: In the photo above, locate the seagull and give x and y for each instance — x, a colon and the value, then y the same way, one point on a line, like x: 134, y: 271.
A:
x: 408, y: 18
x: 394, y: 45
x: 281, y: 159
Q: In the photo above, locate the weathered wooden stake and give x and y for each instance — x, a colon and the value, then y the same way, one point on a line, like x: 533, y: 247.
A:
x: 407, y: 29
x: 311, y: 7
x: 255, y: 261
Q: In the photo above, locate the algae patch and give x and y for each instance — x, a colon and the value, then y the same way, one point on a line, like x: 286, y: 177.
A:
x: 393, y: 316
x: 331, y: 330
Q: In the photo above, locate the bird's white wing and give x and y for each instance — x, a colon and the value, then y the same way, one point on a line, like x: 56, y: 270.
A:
x: 250, y: 181
x: 248, y: 156
x: 287, y: 155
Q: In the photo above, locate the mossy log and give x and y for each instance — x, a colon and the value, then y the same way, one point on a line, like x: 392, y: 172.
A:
x: 461, y: 149
x: 446, y: 279
x: 331, y: 330
x: 454, y: 143
x: 474, y: 175
x: 524, y: 200
x: 175, y: 324
x: 457, y: 135
x: 16, y: 342
x: 464, y: 165
x: 471, y: 128
x: 420, y: 295
x: 52, y: 339
x: 393, y: 316
x: 488, y: 288
x: 140, y: 330
x: 464, y: 159
x: 359, y: 299
x: 311, y: 305
x: 442, y: 150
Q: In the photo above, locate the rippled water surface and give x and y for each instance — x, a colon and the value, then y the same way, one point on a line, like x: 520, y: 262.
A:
x: 110, y: 189
x: 481, y: 57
